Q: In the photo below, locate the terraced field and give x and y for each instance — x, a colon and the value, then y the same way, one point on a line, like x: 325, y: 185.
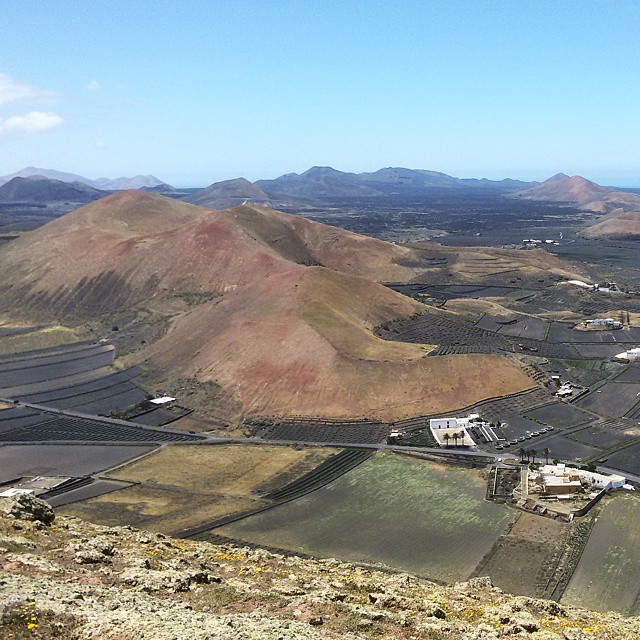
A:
x: 455, y: 335
x: 74, y: 376
x: 85, y: 397
x: 31, y: 426
x: 50, y: 369
x: 406, y: 513
x: 323, y: 430
x: 444, y: 331
x: 607, y: 577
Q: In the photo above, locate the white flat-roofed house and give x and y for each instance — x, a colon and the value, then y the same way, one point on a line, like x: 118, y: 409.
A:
x: 452, y: 431
x: 603, y: 322
x: 601, y: 480
x: 448, y: 423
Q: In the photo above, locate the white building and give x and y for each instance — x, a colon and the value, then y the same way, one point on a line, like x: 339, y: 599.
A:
x: 453, y: 431
x: 632, y: 354
x: 565, y: 390
x: 601, y: 480
x: 603, y: 322
x: 449, y: 423
x: 560, y: 479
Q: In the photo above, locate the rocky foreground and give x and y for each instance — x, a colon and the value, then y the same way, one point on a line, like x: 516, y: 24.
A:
x: 66, y: 578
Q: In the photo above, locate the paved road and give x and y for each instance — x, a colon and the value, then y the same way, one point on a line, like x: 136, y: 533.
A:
x: 466, y: 453
x: 212, y: 438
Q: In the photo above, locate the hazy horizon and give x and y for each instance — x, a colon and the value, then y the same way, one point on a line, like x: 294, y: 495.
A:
x: 203, y: 92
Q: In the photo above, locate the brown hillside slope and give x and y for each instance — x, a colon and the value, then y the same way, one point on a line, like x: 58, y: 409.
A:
x: 131, y: 247
x: 277, y: 333
x: 301, y: 343
x: 615, y: 224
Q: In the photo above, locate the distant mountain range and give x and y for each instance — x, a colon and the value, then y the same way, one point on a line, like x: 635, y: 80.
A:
x: 326, y: 182
x: 40, y: 190
x: 105, y: 184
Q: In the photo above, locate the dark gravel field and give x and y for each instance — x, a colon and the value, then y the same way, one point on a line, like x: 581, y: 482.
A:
x: 62, y: 460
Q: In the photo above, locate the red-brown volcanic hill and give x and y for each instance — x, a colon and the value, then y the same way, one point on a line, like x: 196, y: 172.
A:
x: 288, y: 327
x: 589, y: 195
x: 566, y: 189
x: 131, y: 246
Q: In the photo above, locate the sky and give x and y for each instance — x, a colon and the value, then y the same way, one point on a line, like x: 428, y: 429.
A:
x: 194, y: 92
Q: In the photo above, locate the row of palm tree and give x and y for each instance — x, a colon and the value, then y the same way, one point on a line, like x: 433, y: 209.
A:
x: 459, y: 435
x: 530, y: 454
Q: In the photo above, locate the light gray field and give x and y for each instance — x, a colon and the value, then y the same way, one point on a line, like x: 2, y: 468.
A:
x: 406, y: 513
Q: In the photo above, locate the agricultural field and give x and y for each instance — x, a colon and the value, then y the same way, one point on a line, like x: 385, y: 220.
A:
x: 20, y: 339
x: 565, y: 449
x: 522, y: 560
x: 183, y: 486
x: 631, y: 374
x: 608, y: 575
x: 599, y: 351
x: 322, y: 430
x: 402, y: 512
x: 63, y: 460
x: 559, y: 414
x: 602, y: 438
x: 613, y: 399
x: 626, y: 460
x: 583, y: 372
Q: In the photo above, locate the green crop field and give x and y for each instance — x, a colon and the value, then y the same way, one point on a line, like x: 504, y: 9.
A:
x: 608, y: 574
x: 406, y: 513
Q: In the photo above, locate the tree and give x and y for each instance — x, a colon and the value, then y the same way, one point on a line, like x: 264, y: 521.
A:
x: 461, y: 434
x: 546, y: 454
x: 522, y: 453
x: 455, y: 439
x: 534, y: 453
x: 446, y: 438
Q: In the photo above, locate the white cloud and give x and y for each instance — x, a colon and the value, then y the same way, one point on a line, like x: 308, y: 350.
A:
x: 94, y: 85
x: 101, y: 144
x: 14, y: 91
x: 32, y: 122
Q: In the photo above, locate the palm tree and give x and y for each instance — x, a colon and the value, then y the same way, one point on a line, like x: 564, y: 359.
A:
x: 446, y: 438
x: 534, y: 453
x: 546, y: 454
x: 522, y: 453
x: 461, y: 434
x: 455, y: 439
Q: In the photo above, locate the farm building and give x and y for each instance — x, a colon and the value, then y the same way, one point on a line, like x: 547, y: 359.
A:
x: 558, y: 479
x: 632, y: 354
x: 565, y: 390
x: 601, y: 480
x: 448, y: 431
x: 603, y: 322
